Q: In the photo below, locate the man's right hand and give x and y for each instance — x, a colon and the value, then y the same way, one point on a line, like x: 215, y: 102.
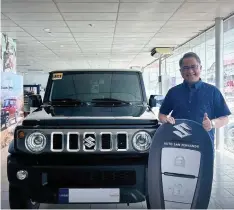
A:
x: 170, y: 120
x: 166, y: 119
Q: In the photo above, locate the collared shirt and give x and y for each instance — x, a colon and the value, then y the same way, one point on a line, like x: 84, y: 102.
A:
x: 192, y: 102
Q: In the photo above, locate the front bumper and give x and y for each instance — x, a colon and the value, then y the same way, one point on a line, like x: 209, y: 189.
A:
x: 44, y: 181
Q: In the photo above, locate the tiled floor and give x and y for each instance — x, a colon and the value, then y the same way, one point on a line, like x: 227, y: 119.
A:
x: 222, y: 192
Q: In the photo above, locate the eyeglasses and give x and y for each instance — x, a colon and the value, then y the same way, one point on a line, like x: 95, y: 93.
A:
x: 193, y: 67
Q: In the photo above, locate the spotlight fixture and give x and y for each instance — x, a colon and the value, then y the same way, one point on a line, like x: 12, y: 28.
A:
x: 47, y: 30
x: 157, y: 51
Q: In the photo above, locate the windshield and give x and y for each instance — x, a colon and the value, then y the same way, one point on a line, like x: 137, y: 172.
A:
x: 8, y: 103
x: 88, y: 86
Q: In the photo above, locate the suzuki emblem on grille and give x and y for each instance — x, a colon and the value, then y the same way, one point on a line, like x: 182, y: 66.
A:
x: 90, y: 142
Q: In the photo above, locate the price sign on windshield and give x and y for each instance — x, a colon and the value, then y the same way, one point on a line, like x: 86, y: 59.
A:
x: 57, y: 76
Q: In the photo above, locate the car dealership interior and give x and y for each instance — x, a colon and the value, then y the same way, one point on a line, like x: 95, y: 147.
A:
x: 82, y: 84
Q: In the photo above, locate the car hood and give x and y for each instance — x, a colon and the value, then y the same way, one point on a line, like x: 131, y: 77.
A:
x: 134, y: 114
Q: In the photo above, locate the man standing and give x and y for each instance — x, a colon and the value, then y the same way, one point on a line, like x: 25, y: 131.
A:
x: 194, y: 99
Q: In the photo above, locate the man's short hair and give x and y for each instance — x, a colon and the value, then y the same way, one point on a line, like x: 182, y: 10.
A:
x: 189, y: 55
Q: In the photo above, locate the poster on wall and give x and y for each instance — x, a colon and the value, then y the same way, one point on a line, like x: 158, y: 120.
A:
x: 8, y: 54
x: 12, y: 105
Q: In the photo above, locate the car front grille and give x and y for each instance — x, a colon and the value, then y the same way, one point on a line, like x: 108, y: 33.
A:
x: 94, y: 178
x: 106, y: 141
x: 122, y: 141
x: 73, y: 140
x: 57, y: 142
x: 89, y: 141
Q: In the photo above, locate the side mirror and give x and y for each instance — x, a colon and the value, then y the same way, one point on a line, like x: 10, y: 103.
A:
x: 34, y: 101
x: 156, y: 100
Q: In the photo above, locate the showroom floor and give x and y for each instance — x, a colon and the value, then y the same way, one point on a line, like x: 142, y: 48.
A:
x: 222, y: 193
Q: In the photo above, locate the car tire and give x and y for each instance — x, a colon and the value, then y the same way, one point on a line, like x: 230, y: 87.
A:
x: 18, y: 200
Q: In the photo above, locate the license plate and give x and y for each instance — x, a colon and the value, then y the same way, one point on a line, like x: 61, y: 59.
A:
x: 102, y: 195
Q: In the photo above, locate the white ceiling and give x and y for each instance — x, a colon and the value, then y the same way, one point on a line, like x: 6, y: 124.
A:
x: 102, y: 33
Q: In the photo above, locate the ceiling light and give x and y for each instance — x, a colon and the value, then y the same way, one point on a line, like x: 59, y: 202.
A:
x: 46, y: 29
x: 50, y: 34
x: 35, y: 70
x: 22, y: 65
x: 158, y: 51
x: 61, y: 46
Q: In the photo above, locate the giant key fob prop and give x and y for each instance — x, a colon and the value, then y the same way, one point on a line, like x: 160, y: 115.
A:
x: 180, y: 167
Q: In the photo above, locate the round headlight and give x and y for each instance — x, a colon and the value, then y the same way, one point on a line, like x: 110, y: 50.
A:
x: 142, y: 141
x: 36, y: 142
x: 21, y: 175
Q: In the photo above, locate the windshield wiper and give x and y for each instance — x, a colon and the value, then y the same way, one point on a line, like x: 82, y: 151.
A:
x: 65, y: 101
x: 110, y: 100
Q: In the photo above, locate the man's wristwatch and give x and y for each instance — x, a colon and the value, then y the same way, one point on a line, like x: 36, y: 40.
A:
x: 213, y: 123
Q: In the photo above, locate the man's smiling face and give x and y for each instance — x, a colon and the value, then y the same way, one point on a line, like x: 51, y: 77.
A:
x: 190, y: 70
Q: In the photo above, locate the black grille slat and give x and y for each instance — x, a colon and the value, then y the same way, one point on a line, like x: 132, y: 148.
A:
x: 106, y: 143
x: 57, y: 141
x: 94, y: 178
x: 121, y: 141
x: 73, y: 141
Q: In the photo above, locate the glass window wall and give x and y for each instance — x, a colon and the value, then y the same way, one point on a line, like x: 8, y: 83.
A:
x: 229, y: 80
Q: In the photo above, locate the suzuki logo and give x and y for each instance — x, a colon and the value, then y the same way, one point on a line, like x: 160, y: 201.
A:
x: 182, y: 130
x: 89, y: 142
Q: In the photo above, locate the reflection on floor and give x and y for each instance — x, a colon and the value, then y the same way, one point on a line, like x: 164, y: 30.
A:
x: 222, y: 191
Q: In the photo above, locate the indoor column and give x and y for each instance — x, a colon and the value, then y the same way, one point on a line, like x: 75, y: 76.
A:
x: 219, y: 74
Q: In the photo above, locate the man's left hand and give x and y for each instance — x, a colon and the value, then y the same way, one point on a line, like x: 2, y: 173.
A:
x: 207, y: 125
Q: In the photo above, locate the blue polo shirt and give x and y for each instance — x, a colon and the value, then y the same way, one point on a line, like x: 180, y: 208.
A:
x: 192, y: 103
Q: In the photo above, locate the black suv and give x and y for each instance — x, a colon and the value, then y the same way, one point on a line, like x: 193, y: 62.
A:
x: 87, y: 142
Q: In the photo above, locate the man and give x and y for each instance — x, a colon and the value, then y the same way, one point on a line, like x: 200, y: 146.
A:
x: 194, y: 99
